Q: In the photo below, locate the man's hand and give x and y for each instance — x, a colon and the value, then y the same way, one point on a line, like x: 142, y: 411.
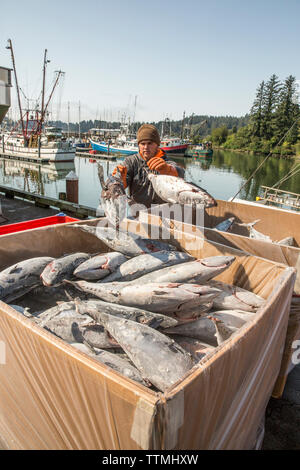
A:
x: 158, y: 164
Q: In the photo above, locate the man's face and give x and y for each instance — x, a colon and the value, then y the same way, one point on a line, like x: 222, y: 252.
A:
x: 148, y: 149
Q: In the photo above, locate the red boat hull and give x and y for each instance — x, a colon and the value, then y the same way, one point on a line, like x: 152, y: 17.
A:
x: 175, y: 148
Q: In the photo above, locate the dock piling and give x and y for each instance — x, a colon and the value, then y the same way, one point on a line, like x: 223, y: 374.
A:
x: 72, y: 187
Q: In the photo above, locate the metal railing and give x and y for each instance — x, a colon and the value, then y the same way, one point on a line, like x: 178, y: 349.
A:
x: 280, y: 196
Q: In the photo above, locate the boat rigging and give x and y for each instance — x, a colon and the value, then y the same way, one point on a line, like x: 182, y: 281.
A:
x: 33, y: 126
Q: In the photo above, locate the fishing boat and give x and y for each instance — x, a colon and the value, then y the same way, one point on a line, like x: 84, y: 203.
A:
x: 130, y: 147
x: 174, y: 145
x: 200, y: 150
x: 125, y: 148
x: 44, y: 148
x: 34, y: 141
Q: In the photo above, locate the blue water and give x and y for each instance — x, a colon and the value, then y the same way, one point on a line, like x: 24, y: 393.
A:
x: 222, y: 176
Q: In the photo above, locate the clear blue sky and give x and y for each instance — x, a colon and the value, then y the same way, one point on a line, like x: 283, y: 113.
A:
x: 202, y: 57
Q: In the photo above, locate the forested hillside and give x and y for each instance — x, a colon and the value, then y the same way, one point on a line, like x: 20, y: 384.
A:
x: 191, y: 126
x: 273, y: 124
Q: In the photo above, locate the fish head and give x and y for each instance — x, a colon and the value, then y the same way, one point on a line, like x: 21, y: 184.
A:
x: 51, y: 274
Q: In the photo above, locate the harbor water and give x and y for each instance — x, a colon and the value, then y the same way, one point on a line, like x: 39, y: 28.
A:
x: 222, y: 175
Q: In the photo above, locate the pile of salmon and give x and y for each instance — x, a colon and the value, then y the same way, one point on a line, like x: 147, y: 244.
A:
x: 143, y: 308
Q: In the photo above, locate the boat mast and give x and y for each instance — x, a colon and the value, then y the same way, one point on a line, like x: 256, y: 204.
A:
x: 133, y: 122
x: 59, y: 73
x: 9, y: 46
x: 43, y: 89
x: 182, y: 131
x: 79, y: 120
x: 68, y: 121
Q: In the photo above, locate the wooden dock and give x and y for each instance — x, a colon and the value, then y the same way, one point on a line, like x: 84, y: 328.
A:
x: 77, y: 210
x: 24, y: 159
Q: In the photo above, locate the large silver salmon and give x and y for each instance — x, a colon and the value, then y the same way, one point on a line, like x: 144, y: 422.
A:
x: 223, y: 330
x: 95, y: 335
x: 81, y: 330
x: 202, y: 329
x: 234, y: 297
x: 198, y: 271
x: 62, y: 268
x: 208, y: 329
x: 176, y: 190
x: 123, y: 242
x: 64, y: 327
x: 21, y: 278
x: 113, y: 197
x: 113, y: 361
x: 62, y: 310
x: 143, y: 264
x: 155, y: 297
x: 196, y: 348
x: 158, y: 358
x: 100, y: 266
x: 232, y: 318
x: 93, y: 307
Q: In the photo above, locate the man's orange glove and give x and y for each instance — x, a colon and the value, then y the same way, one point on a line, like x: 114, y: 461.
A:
x: 158, y: 164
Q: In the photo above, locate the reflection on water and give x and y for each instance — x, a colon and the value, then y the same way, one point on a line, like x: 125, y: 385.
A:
x: 221, y: 175
x: 228, y: 171
x: 46, y: 179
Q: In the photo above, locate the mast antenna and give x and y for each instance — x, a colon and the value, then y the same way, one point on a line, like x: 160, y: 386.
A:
x: 46, y: 61
x: 135, y: 100
x: 59, y: 73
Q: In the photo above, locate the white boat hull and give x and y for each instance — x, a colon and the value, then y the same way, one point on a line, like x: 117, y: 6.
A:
x: 50, y: 154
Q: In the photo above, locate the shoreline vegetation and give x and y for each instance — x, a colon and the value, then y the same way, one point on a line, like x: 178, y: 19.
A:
x: 274, y: 123
x: 252, y: 152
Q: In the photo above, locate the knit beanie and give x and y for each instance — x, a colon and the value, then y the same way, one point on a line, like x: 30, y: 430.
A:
x: 148, y: 132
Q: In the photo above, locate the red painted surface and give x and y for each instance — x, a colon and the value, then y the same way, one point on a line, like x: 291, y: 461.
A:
x: 30, y: 224
x: 174, y: 148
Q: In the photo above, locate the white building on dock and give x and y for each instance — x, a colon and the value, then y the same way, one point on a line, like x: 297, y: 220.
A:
x: 5, y: 85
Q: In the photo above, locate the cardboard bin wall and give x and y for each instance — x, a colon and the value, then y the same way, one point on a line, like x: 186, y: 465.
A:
x: 273, y: 222
x: 53, y: 396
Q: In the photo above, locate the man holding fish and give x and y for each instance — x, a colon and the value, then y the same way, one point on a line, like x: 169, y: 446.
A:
x: 134, y: 171
x: 151, y: 179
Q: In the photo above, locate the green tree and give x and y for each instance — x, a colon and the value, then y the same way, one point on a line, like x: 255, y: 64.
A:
x: 288, y: 111
x: 256, y: 113
x: 270, y: 103
x: 219, y: 135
